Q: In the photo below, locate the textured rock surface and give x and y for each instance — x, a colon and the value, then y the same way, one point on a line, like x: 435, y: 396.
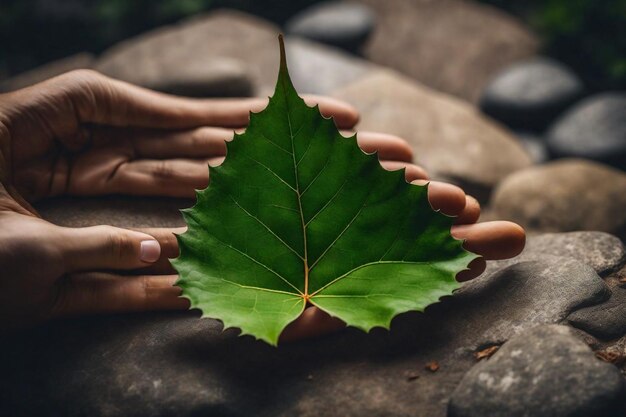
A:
x: 450, y: 45
x: 450, y: 138
x: 604, y: 252
x: 521, y: 380
x: 594, y: 128
x: 564, y: 196
x: 174, y: 364
x: 607, y: 320
x: 52, y: 69
x: 225, y: 53
x: 530, y: 94
x: 341, y: 24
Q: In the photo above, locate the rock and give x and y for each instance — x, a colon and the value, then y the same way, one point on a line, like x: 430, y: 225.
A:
x: 605, y: 321
x: 595, y: 128
x: 563, y: 196
x: 198, y: 56
x: 605, y: 253
x: 225, y: 53
x: 535, y: 146
x: 536, y: 292
x: 82, y: 60
x: 450, y: 138
x: 344, y: 25
x: 317, y: 69
x: 163, y: 364
x: 450, y: 45
x: 519, y: 380
x: 530, y: 94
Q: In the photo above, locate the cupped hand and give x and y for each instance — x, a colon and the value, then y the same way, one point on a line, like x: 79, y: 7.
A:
x: 85, y: 134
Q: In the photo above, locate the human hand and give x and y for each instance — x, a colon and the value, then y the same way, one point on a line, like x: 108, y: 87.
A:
x: 149, y: 146
x: 85, y: 134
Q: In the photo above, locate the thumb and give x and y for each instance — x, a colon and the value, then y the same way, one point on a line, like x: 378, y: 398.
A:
x: 107, y: 247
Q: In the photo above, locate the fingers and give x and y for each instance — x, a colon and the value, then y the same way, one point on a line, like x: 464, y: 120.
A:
x: 389, y: 147
x: 312, y: 323
x: 90, y: 97
x: 106, y: 247
x: 169, y: 249
x: 101, y: 293
x: 202, y: 142
x: 345, y: 116
x: 412, y: 171
x: 470, y: 213
x: 475, y: 268
x: 492, y: 240
x: 448, y: 198
x: 154, y: 177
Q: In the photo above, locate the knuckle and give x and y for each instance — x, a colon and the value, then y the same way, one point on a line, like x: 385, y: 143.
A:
x: 119, y: 243
x: 85, y: 76
x: 163, y: 170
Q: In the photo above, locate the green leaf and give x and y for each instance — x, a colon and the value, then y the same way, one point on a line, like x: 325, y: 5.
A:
x: 298, y: 214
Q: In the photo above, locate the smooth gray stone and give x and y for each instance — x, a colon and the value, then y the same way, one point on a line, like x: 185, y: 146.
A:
x: 530, y: 94
x: 594, y: 128
x: 544, y: 371
x: 602, y: 251
x: 341, y: 24
x: 607, y: 320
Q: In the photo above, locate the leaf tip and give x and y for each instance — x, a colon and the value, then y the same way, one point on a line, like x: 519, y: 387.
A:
x: 283, y: 59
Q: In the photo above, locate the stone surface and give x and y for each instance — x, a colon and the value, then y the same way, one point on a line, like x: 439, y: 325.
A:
x: 545, y: 371
x: 450, y: 138
x: 318, y: 69
x: 595, y: 128
x: 82, y: 60
x: 336, y: 23
x: 604, y: 252
x: 535, y: 146
x: 607, y: 320
x: 563, y: 196
x: 453, y: 46
x: 175, y: 364
x: 530, y: 94
x: 226, y: 53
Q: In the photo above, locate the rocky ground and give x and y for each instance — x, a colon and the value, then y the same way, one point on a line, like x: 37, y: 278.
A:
x: 543, y: 334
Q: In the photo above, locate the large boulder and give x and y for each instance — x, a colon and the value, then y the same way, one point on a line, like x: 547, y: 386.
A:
x: 225, y: 53
x: 519, y: 380
x: 451, y: 45
x: 595, y: 128
x: 450, y: 138
x: 564, y: 196
x: 82, y: 60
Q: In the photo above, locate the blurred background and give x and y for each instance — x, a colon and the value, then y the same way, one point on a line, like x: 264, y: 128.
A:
x: 521, y: 102
x: 588, y: 35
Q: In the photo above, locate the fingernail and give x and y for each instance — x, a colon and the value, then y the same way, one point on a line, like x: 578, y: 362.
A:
x: 150, y: 251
